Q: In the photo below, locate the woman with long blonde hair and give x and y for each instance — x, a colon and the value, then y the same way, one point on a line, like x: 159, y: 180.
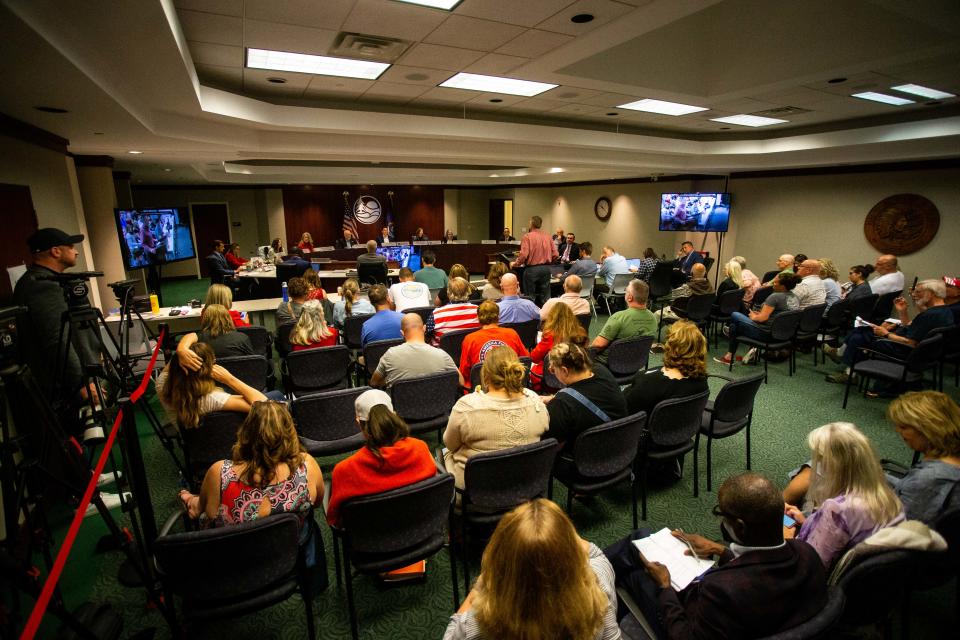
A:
x: 849, y: 493
x: 222, y: 294
x: 350, y: 303
x: 539, y: 580
x: 311, y: 330
x: 561, y: 325
x: 306, y: 242
x: 749, y: 281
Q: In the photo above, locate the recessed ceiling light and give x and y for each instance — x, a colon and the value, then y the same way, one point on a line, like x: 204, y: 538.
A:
x: 612, y: 113
x: 724, y: 128
x: 167, y: 170
x: 582, y: 18
x: 496, y: 99
x: 136, y: 153
x: 882, y: 97
x: 749, y: 121
x: 416, y: 77
x: 317, y: 65
x: 446, y: 5
x: 836, y: 80
x: 661, y: 106
x: 47, y: 109
x: 511, y: 86
x: 98, y: 133
x: 924, y: 92
x: 277, y: 80
x: 555, y: 170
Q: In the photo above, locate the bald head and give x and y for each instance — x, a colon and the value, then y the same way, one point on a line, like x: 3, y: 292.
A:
x: 752, y: 509
x: 785, y: 261
x: 411, y: 326
x: 885, y: 264
x: 698, y: 271
x: 509, y: 284
x: 573, y: 284
x: 809, y: 268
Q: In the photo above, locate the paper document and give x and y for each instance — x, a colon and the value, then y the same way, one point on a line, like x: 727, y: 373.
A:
x: 662, y: 547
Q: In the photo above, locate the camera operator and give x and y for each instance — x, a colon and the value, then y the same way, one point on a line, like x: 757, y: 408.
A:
x: 38, y: 290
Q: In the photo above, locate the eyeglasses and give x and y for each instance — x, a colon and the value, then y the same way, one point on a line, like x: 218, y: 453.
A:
x: 720, y: 513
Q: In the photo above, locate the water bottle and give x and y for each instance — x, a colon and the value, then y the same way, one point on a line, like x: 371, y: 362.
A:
x: 283, y: 290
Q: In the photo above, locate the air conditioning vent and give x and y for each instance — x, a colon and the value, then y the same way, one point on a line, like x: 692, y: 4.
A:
x: 365, y: 47
x: 777, y: 112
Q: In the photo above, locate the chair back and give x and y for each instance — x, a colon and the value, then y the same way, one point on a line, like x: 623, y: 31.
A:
x: 708, y: 263
x: 730, y: 301
x: 676, y: 420
x: 863, y: 307
x: 353, y: 327
x: 838, y: 315
x: 784, y: 326
x: 423, y: 312
x: 734, y: 402
x: 925, y: 354
x: 328, y: 415
x: 619, y: 285
x: 283, y: 338
x: 500, y: 480
x: 626, y: 357
x: 318, y: 369
x: 811, y: 318
x: 452, y: 342
x: 475, y: 378
x: 761, y: 295
x: 427, y: 397
x: 608, y: 448
x: 770, y: 275
x: 586, y: 286
x: 818, y: 625
x: 433, y: 295
x: 526, y: 330
x: 884, y: 306
x: 202, y: 566
x: 287, y: 271
x: 699, y: 307
x: 375, y: 350
x: 260, y: 338
x: 399, y: 519
x: 584, y: 320
x: 372, y: 273
x: 251, y: 370
x: 874, y: 584
x: 211, y: 441
x: 660, y: 284
x: 951, y: 339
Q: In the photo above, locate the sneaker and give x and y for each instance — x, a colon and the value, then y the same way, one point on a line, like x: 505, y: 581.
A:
x: 108, y: 478
x: 657, y: 347
x: 839, y: 377
x: 832, y: 353
x: 724, y: 360
x: 751, y: 357
x: 726, y: 330
x: 110, y: 500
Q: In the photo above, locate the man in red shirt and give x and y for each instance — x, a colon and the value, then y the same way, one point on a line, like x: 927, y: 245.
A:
x: 537, y: 253
x: 479, y: 343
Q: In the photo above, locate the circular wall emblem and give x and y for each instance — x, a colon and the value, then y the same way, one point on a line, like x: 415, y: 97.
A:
x: 901, y: 224
x: 366, y: 209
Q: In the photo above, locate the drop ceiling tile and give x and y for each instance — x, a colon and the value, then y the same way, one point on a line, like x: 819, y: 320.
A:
x: 445, y: 94
x: 534, y: 43
x: 496, y: 64
x: 569, y: 94
x: 287, y: 37
x: 324, y: 97
x: 222, y: 7
x: 855, y: 83
x: 608, y: 100
x: 526, y: 13
x: 796, y: 97
x: 394, y: 90
x: 328, y: 14
x: 209, y: 27
x: 603, y: 11
x: 483, y: 100
x: 255, y: 80
x: 220, y: 77
x: 220, y: 55
x: 473, y: 33
x: 392, y: 19
x: 415, y: 75
x: 536, y: 104
x: 743, y: 105
x: 331, y: 84
x: 578, y: 109
x: 636, y: 3
x: 435, y: 56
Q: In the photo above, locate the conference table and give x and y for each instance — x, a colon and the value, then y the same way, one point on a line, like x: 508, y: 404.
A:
x: 475, y: 256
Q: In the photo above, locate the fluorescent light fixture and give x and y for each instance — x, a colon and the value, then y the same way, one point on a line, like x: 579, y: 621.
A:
x: 494, y: 84
x: 924, y: 92
x: 745, y: 120
x: 555, y: 170
x: 494, y: 175
x: 134, y: 152
x: 661, y: 106
x: 317, y: 65
x: 446, y: 5
x: 882, y: 97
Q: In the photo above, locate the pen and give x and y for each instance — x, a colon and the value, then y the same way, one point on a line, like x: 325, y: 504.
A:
x: 689, y: 546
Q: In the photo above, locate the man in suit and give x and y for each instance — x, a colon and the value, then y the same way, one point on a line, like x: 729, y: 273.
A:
x: 688, y: 257
x: 762, y: 584
x: 569, y: 251
x: 220, y: 270
x: 505, y: 236
x: 347, y: 241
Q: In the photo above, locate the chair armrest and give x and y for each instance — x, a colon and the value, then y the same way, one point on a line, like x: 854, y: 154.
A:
x: 894, y: 468
x: 438, y: 460
x: 873, y: 353
x: 171, y: 520
x: 327, y: 488
x: 636, y: 612
x: 722, y: 377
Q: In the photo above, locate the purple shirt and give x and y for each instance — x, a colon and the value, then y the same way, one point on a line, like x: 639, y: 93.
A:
x: 838, y: 525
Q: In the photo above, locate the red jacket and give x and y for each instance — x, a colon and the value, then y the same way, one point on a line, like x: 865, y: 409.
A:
x: 237, y: 318
x: 405, y: 462
x: 538, y: 355
x: 476, y: 345
x: 234, y: 261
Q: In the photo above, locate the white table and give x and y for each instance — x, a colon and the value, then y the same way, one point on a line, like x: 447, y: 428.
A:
x: 259, y: 306
x: 271, y: 273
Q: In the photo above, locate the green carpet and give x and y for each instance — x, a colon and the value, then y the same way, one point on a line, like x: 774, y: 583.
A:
x: 787, y: 409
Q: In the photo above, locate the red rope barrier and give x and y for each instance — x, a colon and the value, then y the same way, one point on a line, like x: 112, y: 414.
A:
x: 40, y: 608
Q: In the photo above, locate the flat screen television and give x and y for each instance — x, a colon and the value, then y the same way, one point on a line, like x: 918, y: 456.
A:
x: 154, y: 236
x: 402, y: 254
x: 694, y: 211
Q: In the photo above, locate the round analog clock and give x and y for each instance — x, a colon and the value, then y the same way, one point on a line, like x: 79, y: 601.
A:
x: 602, y: 208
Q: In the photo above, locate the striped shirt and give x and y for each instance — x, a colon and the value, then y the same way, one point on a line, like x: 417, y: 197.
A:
x: 452, y: 317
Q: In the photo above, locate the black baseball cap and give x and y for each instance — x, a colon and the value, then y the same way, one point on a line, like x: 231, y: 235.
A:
x: 50, y: 237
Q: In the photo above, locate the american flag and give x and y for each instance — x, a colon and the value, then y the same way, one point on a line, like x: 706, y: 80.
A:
x: 349, y: 221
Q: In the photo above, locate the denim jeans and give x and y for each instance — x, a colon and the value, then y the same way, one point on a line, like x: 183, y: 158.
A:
x: 742, y: 326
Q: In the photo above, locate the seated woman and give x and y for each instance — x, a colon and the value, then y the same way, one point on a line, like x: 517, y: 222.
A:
x: 448, y: 236
x: 306, y: 242
x: 269, y: 473
x: 477, y: 345
x: 757, y: 323
x: 503, y: 414
x: 456, y: 271
x: 234, y: 259
x: 929, y: 423
x: 350, y: 304
x: 590, y: 395
x: 733, y: 278
x: 314, y: 286
x: 492, y: 291
x: 850, y: 497
x: 311, y: 330
x: 859, y: 287
x: 560, y: 326
x: 218, y: 331
x: 516, y: 597
x: 187, y: 387
x: 750, y: 282
x: 389, y: 459
x: 829, y: 275
x: 223, y: 295
x: 684, y: 370
x: 274, y: 252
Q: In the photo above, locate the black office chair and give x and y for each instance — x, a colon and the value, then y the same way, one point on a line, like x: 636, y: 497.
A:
x: 660, y: 282
x: 584, y: 319
x: 874, y: 584
x: 319, y: 369
x: 475, y: 372
x: 526, y: 330
x: 452, y: 342
x: 760, y: 296
x: 835, y: 324
x: 884, y: 306
x: 950, y: 354
x: 727, y: 303
x: 283, y: 338
x: 374, y: 351
x: 863, y: 306
x: 626, y: 357
x: 909, y: 369
x: 211, y: 441
x: 423, y: 312
x: 697, y: 311
x: 782, y: 329
x: 770, y: 275
x: 353, y: 330
x: 369, y: 273
x: 808, y: 330
x: 251, y: 370
x: 260, y: 338
x: 729, y: 413
x: 425, y: 403
x: 326, y: 421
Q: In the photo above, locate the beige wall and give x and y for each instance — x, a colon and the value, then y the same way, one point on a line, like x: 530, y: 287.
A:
x: 99, y: 200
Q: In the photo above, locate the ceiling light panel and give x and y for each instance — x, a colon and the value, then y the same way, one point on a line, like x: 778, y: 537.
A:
x: 317, y: 65
x: 745, y: 120
x: 924, y: 92
x: 446, y: 5
x: 494, y: 84
x: 661, y: 106
x: 882, y: 97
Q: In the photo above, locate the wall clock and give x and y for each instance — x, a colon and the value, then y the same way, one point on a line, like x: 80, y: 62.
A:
x: 602, y: 208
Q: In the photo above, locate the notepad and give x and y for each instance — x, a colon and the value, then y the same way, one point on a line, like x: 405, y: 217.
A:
x: 662, y: 547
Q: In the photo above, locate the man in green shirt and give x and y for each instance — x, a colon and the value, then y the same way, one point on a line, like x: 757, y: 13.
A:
x: 635, y: 320
x: 429, y: 275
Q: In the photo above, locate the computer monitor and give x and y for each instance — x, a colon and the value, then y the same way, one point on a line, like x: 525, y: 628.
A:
x: 402, y: 254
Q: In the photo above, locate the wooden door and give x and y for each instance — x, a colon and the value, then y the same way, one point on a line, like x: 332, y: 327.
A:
x: 19, y: 223
x: 211, y: 221
x: 501, y: 216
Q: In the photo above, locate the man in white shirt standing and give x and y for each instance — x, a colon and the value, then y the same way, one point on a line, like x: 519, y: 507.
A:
x: 408, y: 294
x: 889, y: 277
x: 810, y: 291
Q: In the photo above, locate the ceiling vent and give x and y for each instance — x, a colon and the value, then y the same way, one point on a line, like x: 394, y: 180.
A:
x: 778, y: 112
x: 365, y: 47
